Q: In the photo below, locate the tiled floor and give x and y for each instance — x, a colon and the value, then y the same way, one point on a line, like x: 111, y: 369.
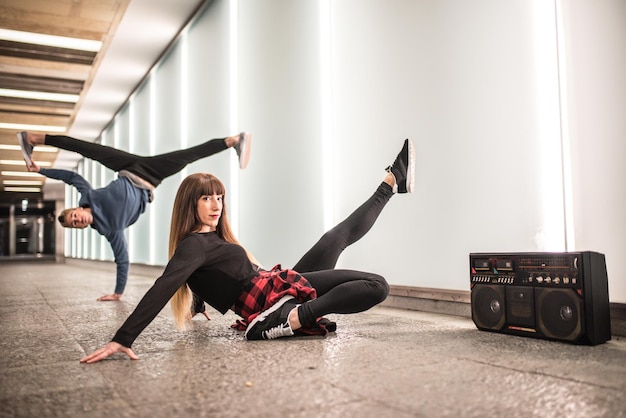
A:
x: 382, y: 363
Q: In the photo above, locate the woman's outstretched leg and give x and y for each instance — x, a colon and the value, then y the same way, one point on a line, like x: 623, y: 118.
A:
x: 325, y: 253
x: 338, y: 291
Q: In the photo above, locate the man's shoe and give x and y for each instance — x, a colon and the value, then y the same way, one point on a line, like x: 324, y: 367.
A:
x: 27, y: 149
x: 273, y: 322
x: 403, y: 168
x: 243, y: 149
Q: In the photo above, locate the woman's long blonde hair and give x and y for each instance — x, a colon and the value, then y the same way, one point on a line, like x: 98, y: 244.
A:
x: 185, y: 220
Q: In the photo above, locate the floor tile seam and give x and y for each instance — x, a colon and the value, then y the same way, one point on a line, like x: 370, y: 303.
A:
x: 51, y: 308
x: 29, y: 368
x: 116, y: 396
x: 73, y: 337
x: 358, y: 399
x: 48, y: 389
x: 542, y: 374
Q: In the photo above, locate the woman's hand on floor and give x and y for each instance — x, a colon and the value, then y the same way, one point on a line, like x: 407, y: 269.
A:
x: 106, y: 351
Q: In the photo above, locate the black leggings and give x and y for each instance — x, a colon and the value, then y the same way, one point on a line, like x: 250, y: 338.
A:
x: 152, y: 169
x: 343, y: 291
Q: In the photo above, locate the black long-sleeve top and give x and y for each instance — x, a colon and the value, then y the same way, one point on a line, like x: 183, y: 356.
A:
x: 214, y: 269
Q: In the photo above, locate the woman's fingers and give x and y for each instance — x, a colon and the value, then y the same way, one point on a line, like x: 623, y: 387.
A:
x: 129, y: 352
x: 97, y: 355
x: 106, y: 351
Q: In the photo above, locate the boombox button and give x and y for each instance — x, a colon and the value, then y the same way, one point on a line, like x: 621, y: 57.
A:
x: 548, y: 279
x: 557, y: 280
x: 539, y: 279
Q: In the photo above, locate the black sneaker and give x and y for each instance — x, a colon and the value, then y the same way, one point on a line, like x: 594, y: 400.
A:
x: 27, y: 149
x: 403, y: 168
x: 243, y: 149
x: 273, y: 322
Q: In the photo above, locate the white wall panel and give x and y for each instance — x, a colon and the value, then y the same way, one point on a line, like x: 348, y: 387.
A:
x: 119, y: 138
x: 140, y: 134
x: 595, y: 51
x: 167, y: 121
x: 474, y: 84
x: 279, y: 101
x: 462, y: 80
x: 207, y: 110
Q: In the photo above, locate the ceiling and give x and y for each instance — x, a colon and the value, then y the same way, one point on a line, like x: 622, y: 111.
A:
x: 133, y: 33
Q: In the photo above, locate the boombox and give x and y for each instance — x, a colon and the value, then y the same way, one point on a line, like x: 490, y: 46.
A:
x: 555, y: 296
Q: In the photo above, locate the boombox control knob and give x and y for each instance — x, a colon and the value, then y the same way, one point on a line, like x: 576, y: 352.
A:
x: 557, y: 280
x: 539, y: 279
x: 548, y: 279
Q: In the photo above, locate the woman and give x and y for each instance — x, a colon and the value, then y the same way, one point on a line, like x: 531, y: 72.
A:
x: 206, y: 259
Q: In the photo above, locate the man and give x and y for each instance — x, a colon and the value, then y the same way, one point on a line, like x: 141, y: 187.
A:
x: 111, y: 209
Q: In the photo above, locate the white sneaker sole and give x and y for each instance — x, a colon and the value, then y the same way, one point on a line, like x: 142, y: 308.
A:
x: 23, y: 145
x: 410, y: 178
x: 263, y: 315
x: 245, y: 150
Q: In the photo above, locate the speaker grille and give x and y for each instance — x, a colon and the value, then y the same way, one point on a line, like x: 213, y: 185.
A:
x: 488, y: 307
x: 559, y: 313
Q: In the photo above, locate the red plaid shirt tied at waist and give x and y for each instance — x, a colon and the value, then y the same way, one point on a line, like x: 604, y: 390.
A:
x: 268, y: 288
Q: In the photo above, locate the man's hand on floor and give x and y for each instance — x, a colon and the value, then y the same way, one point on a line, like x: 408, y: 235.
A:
x: 114, y: 296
